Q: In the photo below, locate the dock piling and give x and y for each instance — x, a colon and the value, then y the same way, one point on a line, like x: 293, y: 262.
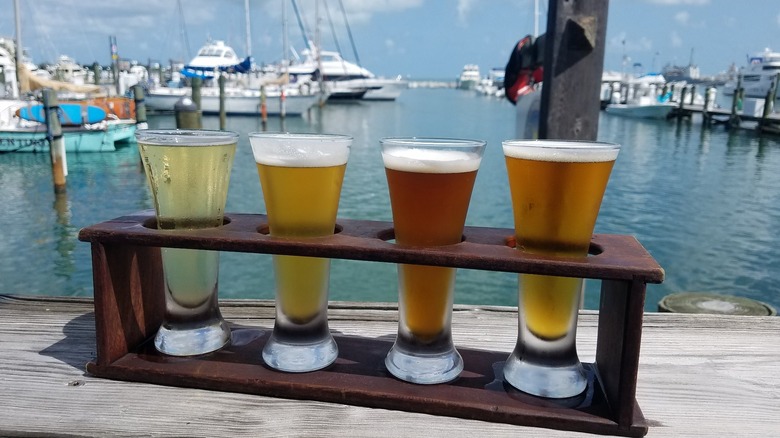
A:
x: 734, y: 117
x: 59, y: 165
x: 140, y: 107
x: 222, y: 109
x: 197, y: 82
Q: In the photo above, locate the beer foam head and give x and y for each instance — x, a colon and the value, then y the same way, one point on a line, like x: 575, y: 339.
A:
x: 300, y: 150
x: 561, y: 150
x: 432, y: 155
x: 183, y: 137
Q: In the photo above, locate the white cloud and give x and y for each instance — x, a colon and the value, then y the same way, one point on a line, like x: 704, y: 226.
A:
x: 682, y: 17
x: 676, y: 39
x: 464, y: 7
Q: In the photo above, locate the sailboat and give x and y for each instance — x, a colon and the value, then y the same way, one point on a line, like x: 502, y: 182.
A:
x: 343, y: 79
x: 244, y: 94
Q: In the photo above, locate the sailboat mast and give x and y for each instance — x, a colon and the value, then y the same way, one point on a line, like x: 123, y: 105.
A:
x: 536, y: 18
x: 248, y: 29
x: 285, y: 42
x: 19, y: 50
x: 349, y: 32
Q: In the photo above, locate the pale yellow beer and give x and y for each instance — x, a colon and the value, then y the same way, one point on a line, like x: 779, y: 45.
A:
x: 556, y: 196
x: 189, y: 189
x: 430, y: 191
x: 301, y: 202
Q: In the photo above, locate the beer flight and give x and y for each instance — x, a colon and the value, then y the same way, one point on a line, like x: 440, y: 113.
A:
x: 556, y: 189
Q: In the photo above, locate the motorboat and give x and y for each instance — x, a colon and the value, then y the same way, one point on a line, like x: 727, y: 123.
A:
x: 493, y: 83
x: 642, y: 97
x: 21, y: 135
x: 645, y: 107
x: 343, y: 79
x: 469, y: 77
x: 761, y: 71
x: 214, y: 54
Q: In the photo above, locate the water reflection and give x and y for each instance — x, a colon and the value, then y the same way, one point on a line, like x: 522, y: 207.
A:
x: 703, y: 201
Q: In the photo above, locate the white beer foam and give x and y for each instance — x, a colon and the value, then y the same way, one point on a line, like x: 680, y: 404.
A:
x: 422, y: 160
x: 563, y: 151
x: 300, y: 152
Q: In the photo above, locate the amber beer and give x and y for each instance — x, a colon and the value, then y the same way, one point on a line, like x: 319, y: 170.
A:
x: 430, y: 183
x: 301, y: 177
x: 429, y: 208
x: 556, y: 189
x: 556, y: 198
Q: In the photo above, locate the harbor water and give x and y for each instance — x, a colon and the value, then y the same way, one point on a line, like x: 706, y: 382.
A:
x: 705, y: 202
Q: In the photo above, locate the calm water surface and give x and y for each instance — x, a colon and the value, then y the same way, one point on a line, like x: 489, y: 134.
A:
x: 704, y: 202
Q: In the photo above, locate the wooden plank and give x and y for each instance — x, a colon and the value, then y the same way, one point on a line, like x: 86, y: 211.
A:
x: 612, y: 257
x: 699, y: 375
x: 573, y: 62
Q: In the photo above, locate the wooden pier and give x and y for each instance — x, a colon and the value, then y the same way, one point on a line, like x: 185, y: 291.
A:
x: 699, y: 375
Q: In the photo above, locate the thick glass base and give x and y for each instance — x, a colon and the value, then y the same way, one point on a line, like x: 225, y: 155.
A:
x: 300, y: 357
x: 424, y: 368
x: 558, y: 381
x: 190, y: 339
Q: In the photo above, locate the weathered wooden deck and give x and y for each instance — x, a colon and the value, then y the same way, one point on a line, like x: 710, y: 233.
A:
x: 699, y: 376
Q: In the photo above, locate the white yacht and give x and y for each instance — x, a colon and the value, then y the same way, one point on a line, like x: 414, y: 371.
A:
x: 214, y: 54
x: 343, y: 79
x: 757, y: 77
x: 469, y: 77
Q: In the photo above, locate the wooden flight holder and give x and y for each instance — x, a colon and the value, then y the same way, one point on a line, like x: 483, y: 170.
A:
x: 130, y: 305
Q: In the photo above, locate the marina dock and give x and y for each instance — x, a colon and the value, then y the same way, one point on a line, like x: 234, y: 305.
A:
x: 699, y: 375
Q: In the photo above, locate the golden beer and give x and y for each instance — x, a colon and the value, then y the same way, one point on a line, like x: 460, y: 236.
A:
x: 301, y: 202
x: 556, y: 196
x: 429, y: 208
x: 301, y: 177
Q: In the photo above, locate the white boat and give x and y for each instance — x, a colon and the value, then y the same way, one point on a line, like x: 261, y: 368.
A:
x: 469, y: 77
x: 344, y: 79
x: 213, y: 56
x: 238, y: 101
x: 757, y: 78
x: 644, y: 108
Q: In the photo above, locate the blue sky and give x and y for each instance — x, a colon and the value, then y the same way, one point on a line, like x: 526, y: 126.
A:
x: 415, y: 38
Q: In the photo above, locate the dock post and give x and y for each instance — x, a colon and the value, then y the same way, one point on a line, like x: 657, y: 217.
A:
x: 59, y: 165
x: 263, y: 107
x: 140, y: 107
x: 681, y: 106
x: 196, y: 84
x: 187, y: 114
x: 734, y: 117
x: 671, y: 91
x: 705, y: 113
x: 693, y: 94
x: 573, y: 62
x: 769, y: 101
x: 222, y: 110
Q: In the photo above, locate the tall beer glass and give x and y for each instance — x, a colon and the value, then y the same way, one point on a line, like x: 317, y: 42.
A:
x: 430, y: 182
x: 188, y: 174
x: 301, y: 177
x: 556, y: 188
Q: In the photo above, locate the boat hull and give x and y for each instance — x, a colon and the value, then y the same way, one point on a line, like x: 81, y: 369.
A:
x: 76, y: 139
x: 243, y: 102
x: 653, y: 111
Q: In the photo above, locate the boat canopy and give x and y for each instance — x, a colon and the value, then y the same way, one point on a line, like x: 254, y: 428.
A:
x: 208, y: 72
